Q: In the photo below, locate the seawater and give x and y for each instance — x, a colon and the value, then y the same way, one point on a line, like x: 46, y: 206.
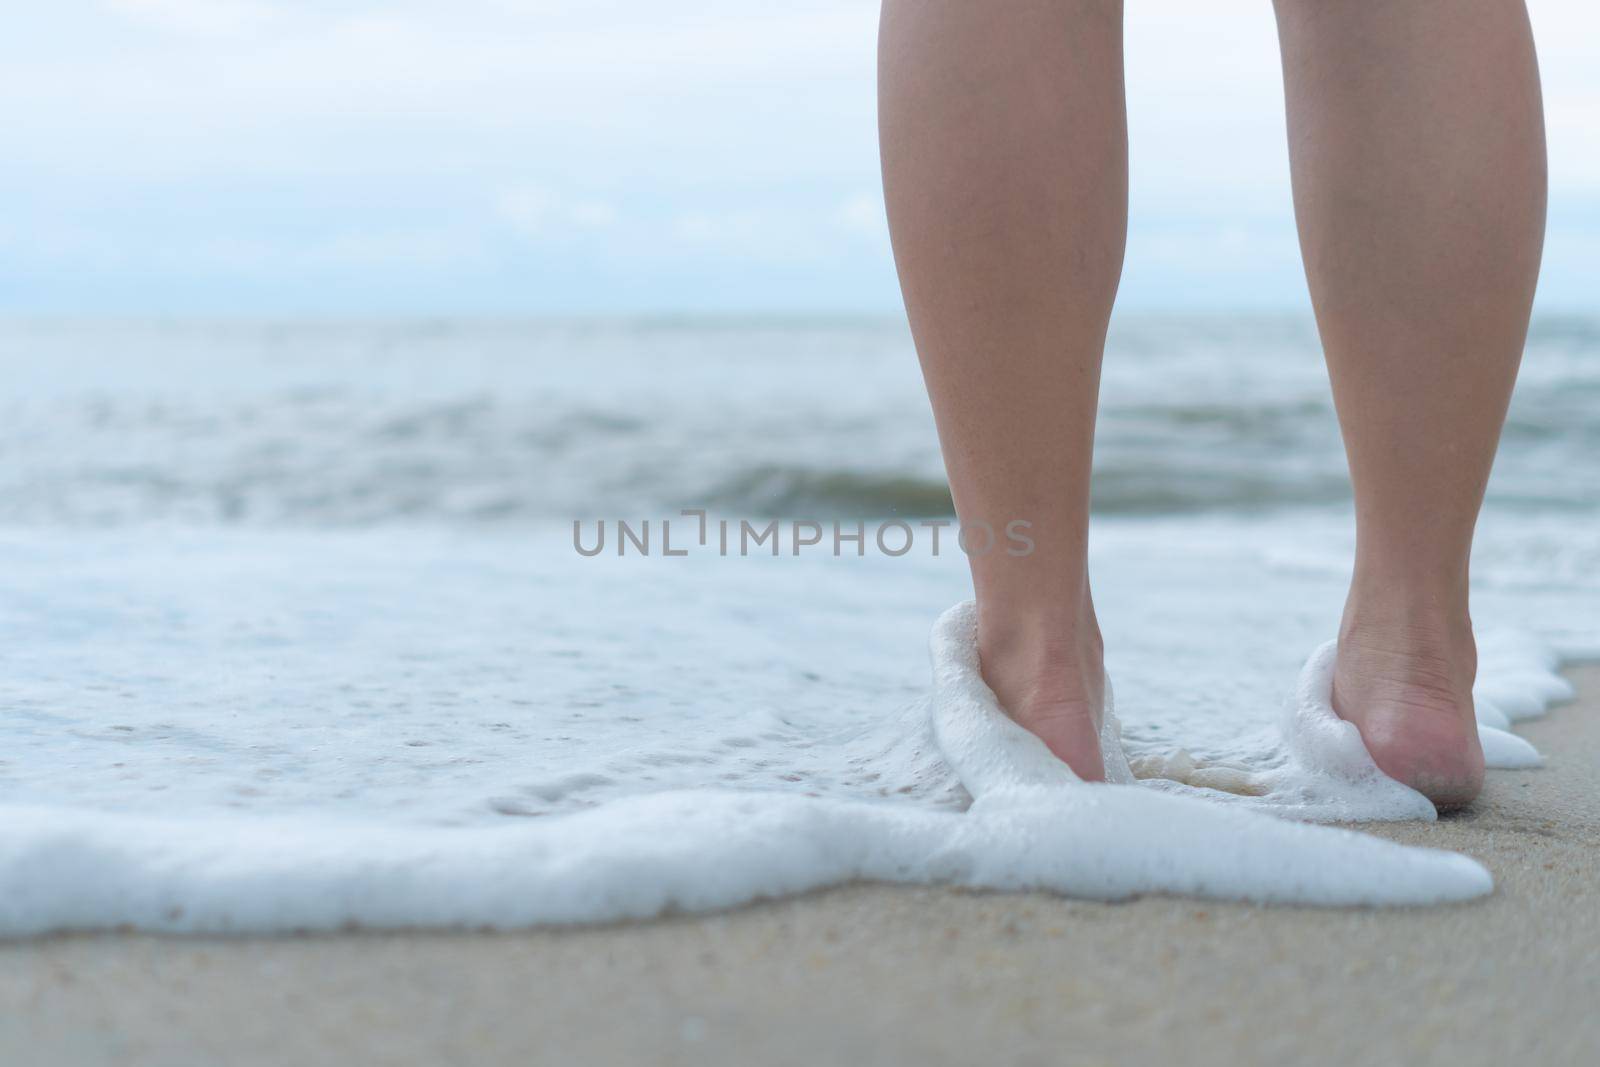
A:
x: 295, y: 635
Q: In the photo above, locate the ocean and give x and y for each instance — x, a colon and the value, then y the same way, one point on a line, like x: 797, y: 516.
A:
x: 299, y: 630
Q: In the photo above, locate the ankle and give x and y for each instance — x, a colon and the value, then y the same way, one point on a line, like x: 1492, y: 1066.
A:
x: 1041, y: 654
x: 1419, y: 637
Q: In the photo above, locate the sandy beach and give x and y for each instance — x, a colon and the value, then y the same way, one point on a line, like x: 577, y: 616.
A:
x: 872, y: 974
x: 478, y: 495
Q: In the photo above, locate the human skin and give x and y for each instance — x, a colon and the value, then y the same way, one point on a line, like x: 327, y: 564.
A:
x: 1416, y: 139
x: 1418, y: 162
x: 1004, y: 146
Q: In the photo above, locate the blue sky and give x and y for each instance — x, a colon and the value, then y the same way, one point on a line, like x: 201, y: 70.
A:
x: 597, y: 156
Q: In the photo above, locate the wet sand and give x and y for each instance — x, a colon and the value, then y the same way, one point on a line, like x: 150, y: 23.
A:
x: 872, y: 974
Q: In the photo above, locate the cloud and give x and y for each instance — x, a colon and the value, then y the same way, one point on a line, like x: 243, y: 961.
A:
x: 607, y: 142
x: 740, y: 228
x: 532, y: 211
x: 227, y: 18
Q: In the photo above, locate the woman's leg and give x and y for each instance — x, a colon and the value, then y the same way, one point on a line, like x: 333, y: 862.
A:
x: 1005, y: 168
x: 1417, y: 144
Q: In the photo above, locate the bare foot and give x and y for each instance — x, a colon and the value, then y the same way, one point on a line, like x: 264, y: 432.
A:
x: 1407, y: 686
x: 1049, y: 677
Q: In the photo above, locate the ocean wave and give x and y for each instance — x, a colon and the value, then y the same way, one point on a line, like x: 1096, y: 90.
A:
x: 492, y: 425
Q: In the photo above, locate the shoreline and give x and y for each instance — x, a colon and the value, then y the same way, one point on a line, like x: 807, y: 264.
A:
x: 891, y: 974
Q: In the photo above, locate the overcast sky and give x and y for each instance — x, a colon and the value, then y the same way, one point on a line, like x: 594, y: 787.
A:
x: 532, y: 156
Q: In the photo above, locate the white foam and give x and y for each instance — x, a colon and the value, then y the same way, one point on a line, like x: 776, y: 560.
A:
x: 1325, y: 744
x: 1328, y: 753
x: 987, y: 749
x: 1121, y: 837
x: 1522, y: 692
x: 1505, y: 751
x: 680, y: 851
x: 1489, y: 714
x: 1032, y: 825
x: 1323, y: 774
x: 269, y: 730
x: 1330, y: 776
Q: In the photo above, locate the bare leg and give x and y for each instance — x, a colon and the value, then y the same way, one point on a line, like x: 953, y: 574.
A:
x: 1417, y: 143
x: 1005, y: 168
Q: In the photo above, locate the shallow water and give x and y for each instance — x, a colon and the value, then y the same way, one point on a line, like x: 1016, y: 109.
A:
x: 315, y: 586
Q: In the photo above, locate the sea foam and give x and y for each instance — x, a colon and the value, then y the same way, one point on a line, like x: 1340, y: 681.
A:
x: 1031, y: 824
x: 305, y: 733
x: 680, y: 851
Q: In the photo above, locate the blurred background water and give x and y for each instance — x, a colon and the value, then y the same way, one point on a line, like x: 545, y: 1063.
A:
x: 313, y: 425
